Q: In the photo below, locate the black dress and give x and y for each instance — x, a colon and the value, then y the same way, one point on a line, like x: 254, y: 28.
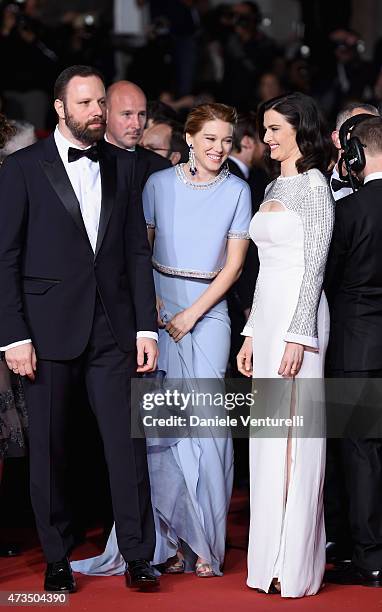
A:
x: 13, y: 416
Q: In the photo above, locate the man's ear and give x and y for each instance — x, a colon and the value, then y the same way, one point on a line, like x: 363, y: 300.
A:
x: 60, y: 109
x: 336, y: 139
x: 175, y: 157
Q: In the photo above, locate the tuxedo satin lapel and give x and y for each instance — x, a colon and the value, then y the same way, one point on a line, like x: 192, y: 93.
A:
x: 61, y: 184
x: 108, y: 171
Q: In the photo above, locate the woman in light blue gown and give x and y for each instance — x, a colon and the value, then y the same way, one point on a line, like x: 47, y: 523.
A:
x: 198, y: 216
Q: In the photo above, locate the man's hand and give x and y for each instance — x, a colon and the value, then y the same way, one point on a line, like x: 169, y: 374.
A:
x: 22, y: 360
x: 147, y: 347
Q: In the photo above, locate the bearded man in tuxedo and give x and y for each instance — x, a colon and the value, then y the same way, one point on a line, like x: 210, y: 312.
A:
x: 78, y: 305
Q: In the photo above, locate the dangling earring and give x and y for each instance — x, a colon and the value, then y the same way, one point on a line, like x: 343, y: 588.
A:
x: 191, y: 160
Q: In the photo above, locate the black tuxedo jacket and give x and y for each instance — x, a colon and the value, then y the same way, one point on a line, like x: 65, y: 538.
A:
x: 244, y: 287
x: 353, y: 282
x: 257, y: 180
x: 235, y: 169
x: 147, y: 163
x: 49, y: 274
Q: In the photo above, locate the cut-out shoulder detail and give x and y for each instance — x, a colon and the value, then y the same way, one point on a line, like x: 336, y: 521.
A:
x: 309, y: 196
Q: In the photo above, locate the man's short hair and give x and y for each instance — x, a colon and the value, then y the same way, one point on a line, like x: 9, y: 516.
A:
x: 159, y: 112
x: 68, y: 74
x: 347, y: 111
x: 246, y: 126
x: 178, y: 142
x: 369, y: 133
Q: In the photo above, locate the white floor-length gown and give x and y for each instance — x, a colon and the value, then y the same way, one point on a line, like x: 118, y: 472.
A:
x: 287, y: 533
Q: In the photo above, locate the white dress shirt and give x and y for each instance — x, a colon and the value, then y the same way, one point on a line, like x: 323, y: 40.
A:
x: 84, y: 175
x: 373, y: 176
x: 243, y: 167
x: 340, y: 193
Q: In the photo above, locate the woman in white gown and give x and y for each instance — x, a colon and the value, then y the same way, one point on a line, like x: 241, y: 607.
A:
x: 287, y: 334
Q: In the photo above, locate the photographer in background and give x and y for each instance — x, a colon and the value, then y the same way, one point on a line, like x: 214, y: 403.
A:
x: 247, y: 54
x: 345, y: 76
x: 29, y: 71
x: 84, y: 38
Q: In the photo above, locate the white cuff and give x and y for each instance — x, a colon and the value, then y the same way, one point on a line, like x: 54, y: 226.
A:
x: 305, y: 340
x: 19, y: 343
x: 148, y: 334
x: 247, y: 331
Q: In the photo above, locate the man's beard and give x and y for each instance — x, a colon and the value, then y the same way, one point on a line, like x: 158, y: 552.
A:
x: 85, y: 132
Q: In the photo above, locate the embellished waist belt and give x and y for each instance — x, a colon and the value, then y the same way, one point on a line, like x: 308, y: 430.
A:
x: 183, y: 272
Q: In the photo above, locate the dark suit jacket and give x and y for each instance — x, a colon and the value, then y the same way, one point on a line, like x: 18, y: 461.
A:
x: 353, y: 282
x: 147, y: 163
x: 244, y: 287
x: 235, y: 169
x: 49, y: 274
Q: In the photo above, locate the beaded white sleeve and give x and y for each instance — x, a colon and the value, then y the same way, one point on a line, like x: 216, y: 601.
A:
x: 317, y: 215
x: 248, y: 329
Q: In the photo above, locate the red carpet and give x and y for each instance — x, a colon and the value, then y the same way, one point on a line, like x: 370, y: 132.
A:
x: 182, y: 593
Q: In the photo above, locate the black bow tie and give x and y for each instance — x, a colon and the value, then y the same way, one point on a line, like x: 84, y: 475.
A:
x: 336, y: 184
x: 74, y: 154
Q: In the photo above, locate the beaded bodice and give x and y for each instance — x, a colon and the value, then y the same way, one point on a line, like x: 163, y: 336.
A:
x: 309, y: 196
x: 193, y: 221
x: 181, y: 174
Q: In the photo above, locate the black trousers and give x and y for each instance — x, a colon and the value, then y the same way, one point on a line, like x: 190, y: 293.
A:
x: 353, y: 491
x: 107, y: 372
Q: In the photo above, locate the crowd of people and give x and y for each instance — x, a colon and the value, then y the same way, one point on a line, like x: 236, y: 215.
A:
x: 192, y: 51
x: 146, y: 239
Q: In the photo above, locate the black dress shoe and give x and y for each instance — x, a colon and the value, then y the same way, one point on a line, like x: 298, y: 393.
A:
x: 59, y: 577
x: 273, y: 590
x: 338, y: 553
x: 140, y: 574
x: 351, y: 574
x: 9, y: 550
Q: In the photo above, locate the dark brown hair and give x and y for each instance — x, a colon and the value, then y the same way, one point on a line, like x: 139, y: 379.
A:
x: 68, y: 74
x: 312, y: 134
x: 246, y: 126
x: 199, y: 115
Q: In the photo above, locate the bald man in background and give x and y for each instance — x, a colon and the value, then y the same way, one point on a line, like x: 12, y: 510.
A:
x: 340, y: 189
x: 126, y: 115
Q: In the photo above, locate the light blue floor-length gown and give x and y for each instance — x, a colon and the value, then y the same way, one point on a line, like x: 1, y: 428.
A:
x: 191, y: 478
